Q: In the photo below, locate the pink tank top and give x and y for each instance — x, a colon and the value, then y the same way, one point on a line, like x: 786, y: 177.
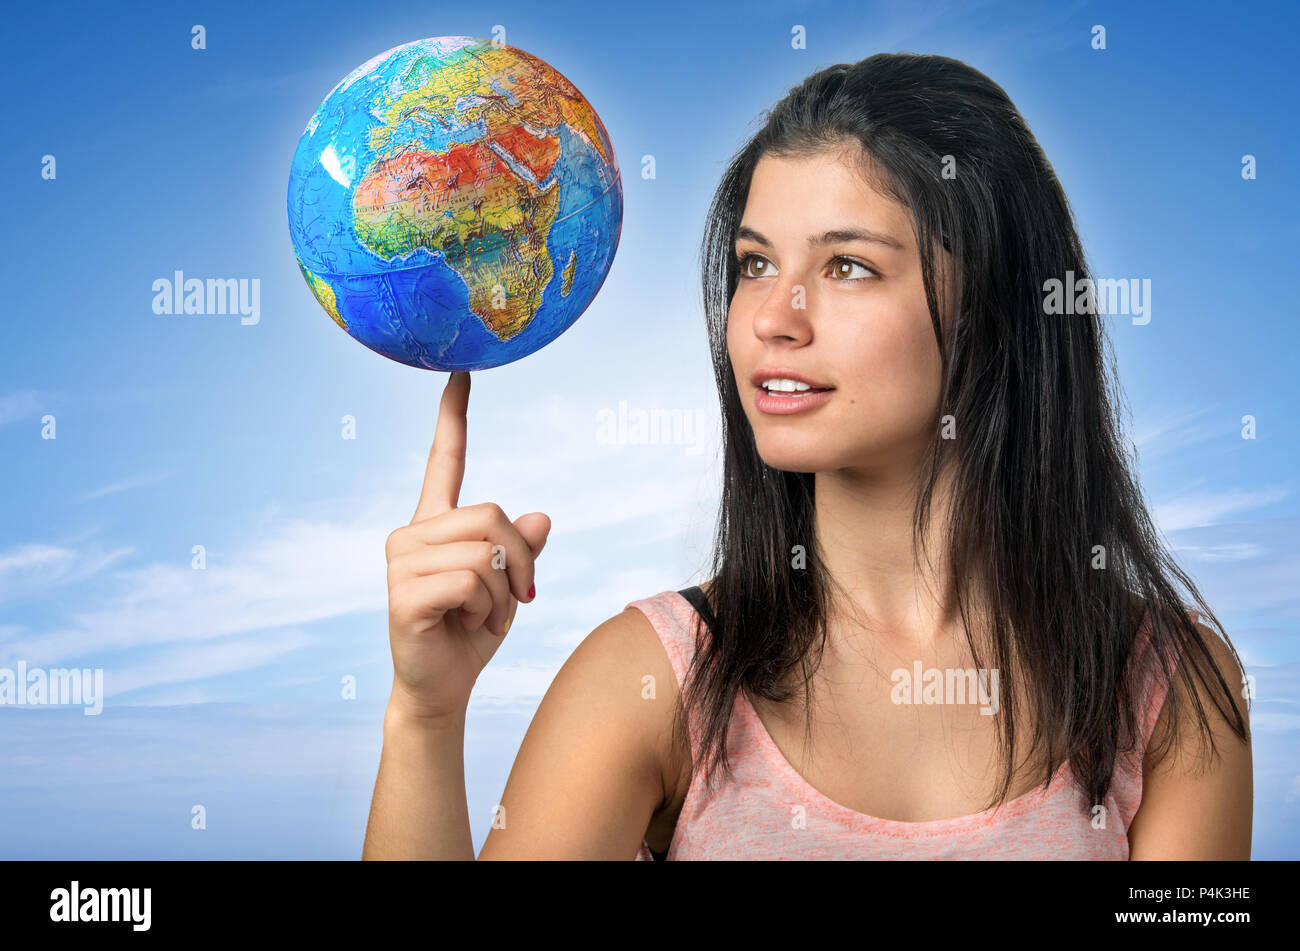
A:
x: 768, y: 811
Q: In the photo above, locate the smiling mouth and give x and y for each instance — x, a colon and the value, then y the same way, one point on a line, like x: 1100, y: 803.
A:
x: 787, y: 401
x: 790, y: 393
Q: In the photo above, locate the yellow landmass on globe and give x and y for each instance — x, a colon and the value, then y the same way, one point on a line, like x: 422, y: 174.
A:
x: 489, y: 224
x: 480, y: 203
x: 324, y: 294
x: 502, y: 86
x: 566, y: 279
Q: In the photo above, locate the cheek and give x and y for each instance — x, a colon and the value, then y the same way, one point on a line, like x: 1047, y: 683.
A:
x: 892, y: 371
x: 737, y: 332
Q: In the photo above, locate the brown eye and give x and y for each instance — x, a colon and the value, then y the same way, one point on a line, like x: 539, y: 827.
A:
x: 744, y: 262
x: 842, y: 268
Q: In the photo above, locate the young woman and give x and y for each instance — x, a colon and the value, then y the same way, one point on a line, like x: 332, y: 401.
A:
x: 924, y: 488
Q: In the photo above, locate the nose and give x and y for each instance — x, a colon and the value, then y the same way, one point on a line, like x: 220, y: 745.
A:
x: 784, y: 314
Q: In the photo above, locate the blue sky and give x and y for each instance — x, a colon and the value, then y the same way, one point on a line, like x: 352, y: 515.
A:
x: 223, y: 685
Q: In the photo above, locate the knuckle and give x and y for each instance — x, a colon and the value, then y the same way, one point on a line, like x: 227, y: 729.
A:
x: 399, y: 607
x: 398, y: 567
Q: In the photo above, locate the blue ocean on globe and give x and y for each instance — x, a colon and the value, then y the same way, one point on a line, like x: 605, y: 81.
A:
x: 455, y: 204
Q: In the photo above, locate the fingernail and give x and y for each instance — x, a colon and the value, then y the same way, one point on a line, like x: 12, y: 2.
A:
x: 504, y: 628
x: 532, y: 591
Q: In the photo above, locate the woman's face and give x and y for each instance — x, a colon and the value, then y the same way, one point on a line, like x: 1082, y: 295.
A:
x: 830, y: 289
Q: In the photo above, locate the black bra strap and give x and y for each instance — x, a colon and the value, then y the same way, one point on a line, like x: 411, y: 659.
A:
x: 695, y: 595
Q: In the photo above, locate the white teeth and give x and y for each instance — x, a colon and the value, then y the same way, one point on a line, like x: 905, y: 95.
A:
x: 785, y: 386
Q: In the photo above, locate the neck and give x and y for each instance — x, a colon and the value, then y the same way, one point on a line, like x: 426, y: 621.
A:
x: 864, y: 526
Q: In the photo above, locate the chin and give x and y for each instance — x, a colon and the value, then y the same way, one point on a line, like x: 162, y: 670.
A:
x: 789, y: 456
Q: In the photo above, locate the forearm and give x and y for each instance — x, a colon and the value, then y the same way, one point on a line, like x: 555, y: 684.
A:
x: 418, y: 810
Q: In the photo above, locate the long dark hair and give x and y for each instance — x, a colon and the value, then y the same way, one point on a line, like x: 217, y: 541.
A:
x: 1039, y: 474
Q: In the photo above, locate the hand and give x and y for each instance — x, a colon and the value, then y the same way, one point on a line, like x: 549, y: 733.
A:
x: 455, y: 577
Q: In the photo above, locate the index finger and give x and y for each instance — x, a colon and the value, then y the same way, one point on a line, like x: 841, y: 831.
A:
x: 446, y: 467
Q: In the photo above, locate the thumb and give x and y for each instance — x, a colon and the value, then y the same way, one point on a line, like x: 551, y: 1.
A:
x: 535, y: 527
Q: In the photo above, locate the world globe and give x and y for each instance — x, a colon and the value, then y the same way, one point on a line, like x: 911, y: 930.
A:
x: 455, y: 204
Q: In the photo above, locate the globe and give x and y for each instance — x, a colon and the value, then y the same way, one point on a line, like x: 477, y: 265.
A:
x: 455, y: 204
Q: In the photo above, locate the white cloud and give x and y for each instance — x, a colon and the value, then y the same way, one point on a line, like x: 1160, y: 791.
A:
x: 1155, y: 435
x: 593, y: 604
x: 29, y: 567
x: 188, y: 662
x: 297, y: 572
x: 124, y: 485
x: 1219, y: 553
x: 1203, y: 509
x: 513, y: 686
x: 35, y: 558
x: 164, y: 623
x: 20, y: 405
x: 185, y: 694
x: 1275, y: 722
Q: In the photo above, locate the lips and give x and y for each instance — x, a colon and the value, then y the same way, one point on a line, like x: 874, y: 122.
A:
x: 787, y: 404
x: 763, y: 374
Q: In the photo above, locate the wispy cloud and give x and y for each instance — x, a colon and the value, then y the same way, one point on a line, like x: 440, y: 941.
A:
x: 165, y: 626
x: 190, y: 662
x: 135, y: 482
x: 294, y: 572
x: 22, y: 404
x: 512, y: 686
x: 1219, y: 553
x: 1159, y: 433
x: 1246, y: 569
x: 1199, y: 510
x: 164, y: 630
x: 26, y: 568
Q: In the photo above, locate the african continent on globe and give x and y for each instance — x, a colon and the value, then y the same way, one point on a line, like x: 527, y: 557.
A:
x: 455, y: 205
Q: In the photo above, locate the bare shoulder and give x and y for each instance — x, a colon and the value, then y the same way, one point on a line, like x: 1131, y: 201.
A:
x: 1210, y: 697
x: 591, y: 772
x: 1197, y: 798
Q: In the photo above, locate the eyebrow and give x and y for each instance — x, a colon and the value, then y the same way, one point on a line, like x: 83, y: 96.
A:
x: 836, y: 236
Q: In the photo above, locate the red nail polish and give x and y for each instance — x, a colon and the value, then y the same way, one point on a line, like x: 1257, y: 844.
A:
x: 532, y: 591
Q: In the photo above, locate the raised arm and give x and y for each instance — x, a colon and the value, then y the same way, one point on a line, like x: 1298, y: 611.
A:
x: 589, y: 775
